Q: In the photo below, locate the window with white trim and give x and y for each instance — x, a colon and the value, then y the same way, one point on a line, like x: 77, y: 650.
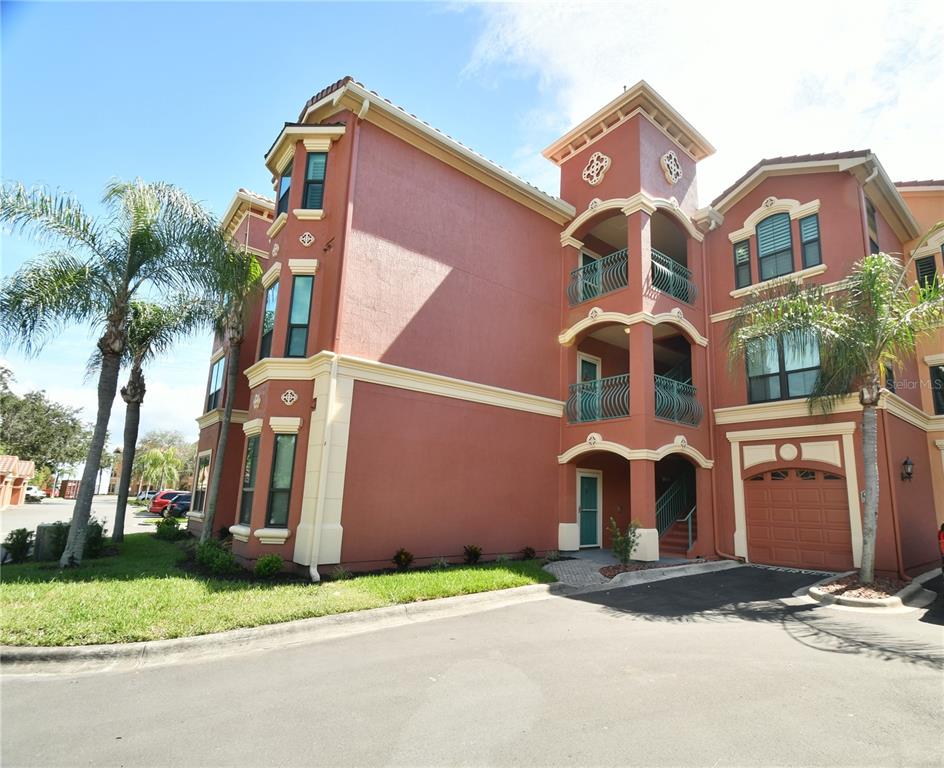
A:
x: 809, y: 241
x: 215, y: 388
x: 742, y: 264
x: 774, y: 247
x: 781, y: 368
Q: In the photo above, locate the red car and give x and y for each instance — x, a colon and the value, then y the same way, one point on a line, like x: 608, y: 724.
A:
x: 162, y: 500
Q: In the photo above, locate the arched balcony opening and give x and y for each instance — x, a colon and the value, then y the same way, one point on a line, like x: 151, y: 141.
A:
x: 602, y: 266
x: 676, y: 504
x: 601, y: 384
x: 670, y: 270
x: 675, y: 394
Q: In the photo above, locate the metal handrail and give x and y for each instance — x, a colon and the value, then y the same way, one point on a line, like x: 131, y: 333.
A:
x: 608, y: 273
x: 688, y: 519
x: 606, y: 398
x: 676, y: 401
x: 670, y: 506
x: 672, y: 278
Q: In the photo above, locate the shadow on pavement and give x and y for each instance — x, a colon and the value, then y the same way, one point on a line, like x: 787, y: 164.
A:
x: 755, y: 594
x: 935, y: 612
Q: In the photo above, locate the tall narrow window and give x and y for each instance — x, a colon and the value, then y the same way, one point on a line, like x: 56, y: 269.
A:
x: 742, y: 264
x: 926, y: 269
x: 298, y: 316
x: 314, y: 180
x: 872, y: 221
x: 280, y: 488
x: 268, y: 320
x: 937, y: 388
x: 215, y: 389
x: 889, y: 378
x: 774, y: 246
x: 285, y: 186
x: 249, y: 480
x: 200, y: 480
x: 809, y: 241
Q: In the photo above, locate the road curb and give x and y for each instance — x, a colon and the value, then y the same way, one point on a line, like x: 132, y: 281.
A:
x: 660, y: 574
x: 96, y: 658
x: 914, y: 590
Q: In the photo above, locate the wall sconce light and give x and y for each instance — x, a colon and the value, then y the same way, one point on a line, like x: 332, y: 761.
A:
x: 907, y: 469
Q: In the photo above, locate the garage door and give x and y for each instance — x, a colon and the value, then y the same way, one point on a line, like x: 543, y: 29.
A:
x: 798, y: 518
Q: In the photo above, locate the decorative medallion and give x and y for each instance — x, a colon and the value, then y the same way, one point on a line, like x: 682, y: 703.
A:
x: 594, y: 313
x: 678, y: 313
x: 671, y: 167
x: 275, y: 250
x: 289, y: 397
x: 307, y: 239
x: 788, y: 452
x: 769, y: 202
x: 256, y: 400
x: 594, y: 203
x: 681, y: 441
x: 593, y: 438
x: 597, y: 166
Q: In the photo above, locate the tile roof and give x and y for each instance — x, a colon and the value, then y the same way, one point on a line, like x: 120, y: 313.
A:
x: 7, y: 463
x: 256, y: 196
x: 921, y: 183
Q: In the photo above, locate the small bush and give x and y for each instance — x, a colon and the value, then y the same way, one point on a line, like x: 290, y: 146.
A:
x: 624, y: 543
x: 403, y: 559
x: 501, y: 560
x: 213, y: 556
x: 552, y: 555
x: 18, y: 543
x: 472, y: 554
x: 441, y: 564
x: 268, y: 566
x: 58, y: 537
x: 528, y: 553
x: 168, y: 529
x: 94, y: 539
x: 340, y: 573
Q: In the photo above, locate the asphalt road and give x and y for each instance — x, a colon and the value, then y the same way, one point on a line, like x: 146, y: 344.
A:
x: 55, y: 510
x: 708, y: 670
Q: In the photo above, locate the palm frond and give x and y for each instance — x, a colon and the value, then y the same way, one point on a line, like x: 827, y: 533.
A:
x: 48, y: 216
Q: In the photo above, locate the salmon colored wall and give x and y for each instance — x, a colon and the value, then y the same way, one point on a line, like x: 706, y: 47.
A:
x: 614, y: 360
x: 653, y: 144
x: 433, y: 474
x: 621, y: 145
x: 252, y: 232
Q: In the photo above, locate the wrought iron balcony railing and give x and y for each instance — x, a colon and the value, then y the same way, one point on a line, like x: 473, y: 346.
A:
x: 676, y: 402
x: 606, y: 274
x: 672, y: 278
x: 598, y: 399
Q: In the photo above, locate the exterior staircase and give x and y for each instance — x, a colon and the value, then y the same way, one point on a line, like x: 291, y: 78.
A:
x: 674, y: 513
x: 674, y: 542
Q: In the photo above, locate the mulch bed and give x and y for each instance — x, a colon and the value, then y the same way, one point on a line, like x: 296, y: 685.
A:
x: 849, y: 586
x: 609, y: 571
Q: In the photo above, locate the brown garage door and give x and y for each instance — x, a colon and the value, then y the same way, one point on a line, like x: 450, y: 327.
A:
x: 798, y: 518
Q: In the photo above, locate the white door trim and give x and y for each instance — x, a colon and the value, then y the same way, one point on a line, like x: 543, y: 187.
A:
x: 598, y: 474
x: 597, y: 361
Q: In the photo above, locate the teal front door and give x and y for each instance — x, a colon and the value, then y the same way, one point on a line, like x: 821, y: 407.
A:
x: 589, y: 510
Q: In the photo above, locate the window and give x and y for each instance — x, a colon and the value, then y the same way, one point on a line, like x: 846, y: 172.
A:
x: 216, y: 384
x: 315, y: 166
x: 889, y: 378
x: 809, y: 241
x: 742, y: 264
x: 297, y: 338
x: 873, y: 226
x: 774, y: 246
x: 249, y: 480
x: 806, y: 474
x: 268, y: 320
x: 200, y: 482
x: 780, y: 368
x: 280, y: 488
x: 926, y: 269
x: 779, y: 474
x: 937, y: 388
x: 285, y: 186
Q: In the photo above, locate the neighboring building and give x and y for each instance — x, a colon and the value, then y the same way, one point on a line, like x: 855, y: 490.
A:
x: 446, y: 355
x: 15, y: 474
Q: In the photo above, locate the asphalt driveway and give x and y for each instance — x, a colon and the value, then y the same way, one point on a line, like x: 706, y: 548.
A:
x: 703, y: 670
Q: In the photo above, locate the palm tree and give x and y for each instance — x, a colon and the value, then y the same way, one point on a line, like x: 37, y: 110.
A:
x: 160, y: 464
x: 861, y: 331
x: 152, y: 331
x: 237, y: 282
x: 152, y: 238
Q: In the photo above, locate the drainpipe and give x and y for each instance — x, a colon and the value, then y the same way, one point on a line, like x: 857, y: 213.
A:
x: 323, y: 471
x: 891, y: 496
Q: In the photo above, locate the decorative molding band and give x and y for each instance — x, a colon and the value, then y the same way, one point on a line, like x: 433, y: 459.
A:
x: 285, y: 425
x: 280, y: 368
x: 769, y: 207
x: 937, y: 359
x: 303, y: 266
x: 636, y: 454
x: 676, y: 318
x: 218, y: 354
x: 727, y: 314
x: 308, y: 214
x: 793, y: 277
x: 191, y: 515
x: 802, y: 430
x: 277, y: 225
x: 240, y: 532
x: 271, y: 274
x: 932, y: 247
x: 253, y: 427
x: 256, y: 252
x: 573, y: 242
x: 272, y: 535
x: 317, y: 138
x: 628, y: 205
x: 215, y: 416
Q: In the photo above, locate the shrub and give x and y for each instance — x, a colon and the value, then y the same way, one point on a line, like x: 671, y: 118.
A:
x: 528, y: 553
x: 624, y: 543
x: 501, y: 560
x: 340, y: 573
x: 57, y: 539
x: 213, y: 556
x: 168, y: 529
x: 94, y: 539
x: 268, y: 566
x: 441, y: 564
x: 551, y: 555
x: 472, y: 554
x: 403, y: 559
x: 18, y: 543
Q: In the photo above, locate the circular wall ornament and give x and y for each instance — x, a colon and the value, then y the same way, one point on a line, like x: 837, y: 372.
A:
x: 593, y: 438
x: 671, y: 167
x: 594, y: 203
x: 597, y: 166
x: 275, y: 250
x: 594, y: 313
x: 256, y: 400
x: 788, y: 451
x: 769, y: 202
x: 289, y: 397
x: 307, y: 239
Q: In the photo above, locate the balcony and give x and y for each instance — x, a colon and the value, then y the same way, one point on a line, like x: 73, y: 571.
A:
x: 675, y: 401
x: 598, y: 399
x: 606, y: 274
x: 672, y: 278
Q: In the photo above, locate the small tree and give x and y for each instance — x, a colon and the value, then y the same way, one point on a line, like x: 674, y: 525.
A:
x: 624, y: 543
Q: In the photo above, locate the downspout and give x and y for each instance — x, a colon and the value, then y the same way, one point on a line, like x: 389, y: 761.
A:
x: 323, y: 471
x: 891, y: 497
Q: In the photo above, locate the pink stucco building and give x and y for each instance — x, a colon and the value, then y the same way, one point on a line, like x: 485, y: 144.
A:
x: 446, y: 355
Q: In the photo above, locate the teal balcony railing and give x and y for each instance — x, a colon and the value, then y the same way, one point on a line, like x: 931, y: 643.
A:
x: 606, y: 274
x: 676, y: 402
x: 599, y: 399
x: 672, y: 278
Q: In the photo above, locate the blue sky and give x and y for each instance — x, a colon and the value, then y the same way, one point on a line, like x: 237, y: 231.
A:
x: 195, y: 93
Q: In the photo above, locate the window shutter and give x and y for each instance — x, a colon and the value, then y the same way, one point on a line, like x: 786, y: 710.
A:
x: 926, y: 269
x: 316, y: 166
x: 742, y: 252
x: 809, y: 229
x: 773, y: 234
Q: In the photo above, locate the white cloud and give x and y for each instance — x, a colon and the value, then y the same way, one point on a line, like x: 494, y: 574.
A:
x: 757, y: 79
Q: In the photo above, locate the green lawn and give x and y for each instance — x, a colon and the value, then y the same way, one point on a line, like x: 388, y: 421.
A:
x: 141, y: 594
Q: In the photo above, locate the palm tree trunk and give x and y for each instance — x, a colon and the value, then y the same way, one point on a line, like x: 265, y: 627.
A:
x: 870, y: 511
x: 133, y: 394
x: 232, y: 372
x: 107, y: 388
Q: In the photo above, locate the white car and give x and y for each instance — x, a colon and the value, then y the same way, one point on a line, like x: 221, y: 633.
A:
x: 35, y: 493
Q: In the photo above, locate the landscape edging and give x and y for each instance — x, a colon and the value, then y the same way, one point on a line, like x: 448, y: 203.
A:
x: 880, y: 603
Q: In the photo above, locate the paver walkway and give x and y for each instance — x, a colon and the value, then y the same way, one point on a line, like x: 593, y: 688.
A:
x: 579, y: 572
